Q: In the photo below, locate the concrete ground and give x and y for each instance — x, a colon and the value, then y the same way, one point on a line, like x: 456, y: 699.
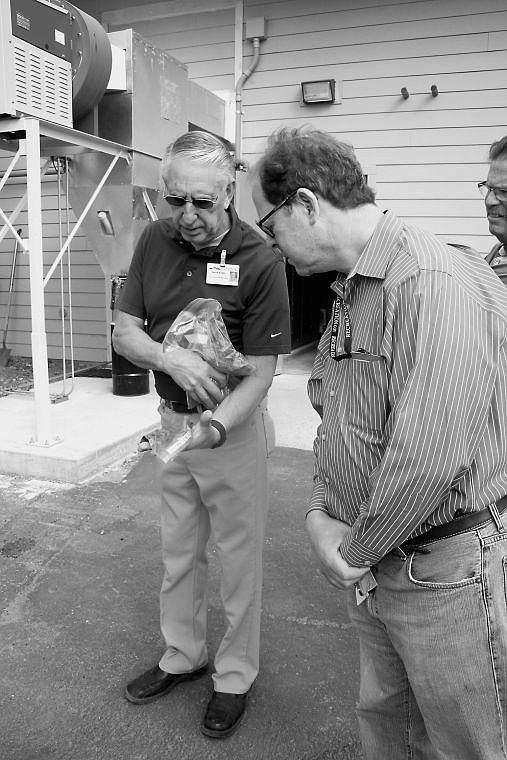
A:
x: 79, y: 579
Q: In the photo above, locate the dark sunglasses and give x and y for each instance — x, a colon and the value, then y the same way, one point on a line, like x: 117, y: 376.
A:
x: 177, y: 201
x: 262, y: 222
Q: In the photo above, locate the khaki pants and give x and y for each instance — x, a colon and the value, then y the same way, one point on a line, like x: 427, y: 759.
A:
x: 223, y: 491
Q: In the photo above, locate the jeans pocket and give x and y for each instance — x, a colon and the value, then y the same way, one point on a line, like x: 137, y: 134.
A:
x: 448, y: 563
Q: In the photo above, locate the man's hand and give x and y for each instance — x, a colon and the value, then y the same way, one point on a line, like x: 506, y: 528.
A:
x: 326, y: 535
x: 202, y: 381
x: 204, y: 435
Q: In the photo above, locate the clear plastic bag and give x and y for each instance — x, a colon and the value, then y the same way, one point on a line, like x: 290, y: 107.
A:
x: 166, y: 446
x: 200, y: 328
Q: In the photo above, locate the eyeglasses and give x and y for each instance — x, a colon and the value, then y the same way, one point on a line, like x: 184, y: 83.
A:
x: 177, y: 201
x: 262, y: 222
x: 500, y: 192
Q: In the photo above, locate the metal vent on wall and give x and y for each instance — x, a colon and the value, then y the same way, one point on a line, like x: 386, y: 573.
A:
x: 43, y: 84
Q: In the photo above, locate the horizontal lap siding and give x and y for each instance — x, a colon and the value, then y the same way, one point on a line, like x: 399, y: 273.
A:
x: 427, y: 153
x: 90, y: 334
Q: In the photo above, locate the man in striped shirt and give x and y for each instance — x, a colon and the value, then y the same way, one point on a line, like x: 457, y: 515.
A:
x: 408, y: 506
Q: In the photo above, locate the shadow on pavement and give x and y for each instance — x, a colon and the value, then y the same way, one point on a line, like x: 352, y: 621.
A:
x: 80, y: 574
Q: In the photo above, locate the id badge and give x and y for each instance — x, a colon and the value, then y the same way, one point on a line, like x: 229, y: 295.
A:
x: 222, y: 274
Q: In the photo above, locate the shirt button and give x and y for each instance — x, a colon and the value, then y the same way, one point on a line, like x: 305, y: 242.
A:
x: 331, y: 394
x: 323, y: 436
x: 189, y: 273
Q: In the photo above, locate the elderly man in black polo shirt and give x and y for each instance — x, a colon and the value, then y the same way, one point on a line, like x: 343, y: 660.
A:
x: 219, y: 483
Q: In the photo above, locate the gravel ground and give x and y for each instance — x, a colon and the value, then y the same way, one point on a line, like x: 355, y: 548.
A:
x: 18, y: 374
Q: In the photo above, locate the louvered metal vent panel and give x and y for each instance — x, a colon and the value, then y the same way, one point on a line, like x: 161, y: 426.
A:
x: 43, y: 84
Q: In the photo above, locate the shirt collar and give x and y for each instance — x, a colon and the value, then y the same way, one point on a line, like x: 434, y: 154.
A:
x: 377, y: 253
x: 381, y: 247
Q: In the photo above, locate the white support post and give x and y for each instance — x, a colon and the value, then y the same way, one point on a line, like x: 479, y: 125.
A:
x: 43, y: 434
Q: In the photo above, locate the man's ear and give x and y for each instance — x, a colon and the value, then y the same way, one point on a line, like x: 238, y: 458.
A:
x: 229, y: 194
x: 308, y: 199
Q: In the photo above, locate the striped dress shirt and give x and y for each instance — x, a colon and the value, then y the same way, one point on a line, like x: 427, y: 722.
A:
x: 414, y: 404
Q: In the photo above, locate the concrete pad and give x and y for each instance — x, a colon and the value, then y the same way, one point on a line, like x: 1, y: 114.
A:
x: 95, y: 429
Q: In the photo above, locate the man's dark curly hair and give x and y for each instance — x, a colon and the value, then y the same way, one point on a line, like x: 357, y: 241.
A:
x: 498, y: 149
x: 305, y: 157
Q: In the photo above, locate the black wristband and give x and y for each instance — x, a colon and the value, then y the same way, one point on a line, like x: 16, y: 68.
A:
x: 221, y: 432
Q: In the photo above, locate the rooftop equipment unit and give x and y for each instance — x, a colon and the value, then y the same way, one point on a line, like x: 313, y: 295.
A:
x: 55, y: 60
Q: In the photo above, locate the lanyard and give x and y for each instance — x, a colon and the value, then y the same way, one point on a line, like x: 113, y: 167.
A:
x: 340, y: 306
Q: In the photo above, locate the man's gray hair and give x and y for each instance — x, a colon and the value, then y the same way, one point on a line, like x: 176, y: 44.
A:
x: 204, y: 148
x: 498, y: 149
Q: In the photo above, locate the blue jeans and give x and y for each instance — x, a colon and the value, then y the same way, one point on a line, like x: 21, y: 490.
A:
x: 433, y: 651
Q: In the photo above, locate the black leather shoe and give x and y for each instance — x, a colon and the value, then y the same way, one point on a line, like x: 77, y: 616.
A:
x: 223, y: 714
x: 156, y: 683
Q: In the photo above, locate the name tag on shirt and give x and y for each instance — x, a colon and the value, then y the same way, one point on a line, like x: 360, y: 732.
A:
x: 222, y: 274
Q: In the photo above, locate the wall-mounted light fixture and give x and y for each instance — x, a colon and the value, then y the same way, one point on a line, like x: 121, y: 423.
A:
x: 434, y: 90
x: 319, y: 91
x: 405, y: 93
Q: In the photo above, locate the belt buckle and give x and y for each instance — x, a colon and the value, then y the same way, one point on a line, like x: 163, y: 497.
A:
x: 179, y: 407
x: 173, y: 406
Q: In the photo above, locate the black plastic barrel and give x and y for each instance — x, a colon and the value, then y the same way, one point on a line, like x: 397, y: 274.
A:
x: 128, y: 378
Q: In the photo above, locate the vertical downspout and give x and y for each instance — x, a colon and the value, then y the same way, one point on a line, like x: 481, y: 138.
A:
x: 240, y: 166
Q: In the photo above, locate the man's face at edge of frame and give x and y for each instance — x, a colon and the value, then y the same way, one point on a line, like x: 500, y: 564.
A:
x: 496, y: 211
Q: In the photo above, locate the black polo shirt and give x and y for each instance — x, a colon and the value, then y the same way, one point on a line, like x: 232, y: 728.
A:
x: 166, y: 274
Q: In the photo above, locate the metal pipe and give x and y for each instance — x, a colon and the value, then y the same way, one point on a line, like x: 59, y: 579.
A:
x: 239, y: 87
x: 43, y: 429
x: 149, y: 205
x: 14, y: 215
x: 21, y: 174
x: 9, y: 172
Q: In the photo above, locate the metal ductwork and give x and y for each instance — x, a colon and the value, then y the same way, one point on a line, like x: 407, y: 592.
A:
x: 144, y: 108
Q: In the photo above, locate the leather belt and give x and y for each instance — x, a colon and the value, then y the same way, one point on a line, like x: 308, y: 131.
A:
x: 177, y: 406
x: 458, y: 525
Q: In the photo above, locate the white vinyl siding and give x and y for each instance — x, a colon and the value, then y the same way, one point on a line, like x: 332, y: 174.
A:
x: 429, y: 153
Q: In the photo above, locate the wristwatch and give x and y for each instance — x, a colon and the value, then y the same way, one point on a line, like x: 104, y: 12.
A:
x: 221, y: 432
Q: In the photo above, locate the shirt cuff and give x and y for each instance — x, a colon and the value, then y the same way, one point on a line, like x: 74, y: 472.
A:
x: 357, y: 554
